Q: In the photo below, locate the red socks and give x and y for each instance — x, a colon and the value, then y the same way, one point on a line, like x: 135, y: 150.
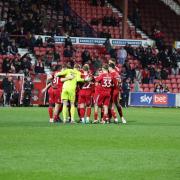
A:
x: 88, y: 112
x: 82, y: 112
x: 50, y: 110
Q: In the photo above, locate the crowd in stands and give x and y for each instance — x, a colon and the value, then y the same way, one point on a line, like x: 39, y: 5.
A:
x: 28, y: 18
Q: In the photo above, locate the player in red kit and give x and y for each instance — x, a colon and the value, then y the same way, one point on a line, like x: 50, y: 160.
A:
x: 105, y: 80
x: 115, y: 94
x: 84, y: 95
x: 54, y: 91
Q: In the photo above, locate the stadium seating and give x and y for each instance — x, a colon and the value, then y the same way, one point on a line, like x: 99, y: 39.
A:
x: 85, y: 10
x: 152, y: 12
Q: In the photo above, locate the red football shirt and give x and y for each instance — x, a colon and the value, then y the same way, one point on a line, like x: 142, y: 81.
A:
x: 56, y: 82
x: 106, y: 82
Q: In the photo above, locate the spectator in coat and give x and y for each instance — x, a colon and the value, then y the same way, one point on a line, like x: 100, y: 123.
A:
x: 121, y: 55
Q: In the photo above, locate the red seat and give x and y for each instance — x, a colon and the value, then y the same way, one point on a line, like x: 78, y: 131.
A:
x: 174, y: 86
x: 168, y: 85
x: 146, y: 90
x: 167, y: 81
x: 173, y: 80
x: 151, y: 85
x: 151, y: 89
x: 175, y: 90
x: 178, y: 80
x: 145, y: 85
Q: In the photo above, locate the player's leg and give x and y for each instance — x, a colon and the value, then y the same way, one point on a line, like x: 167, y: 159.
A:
x: 51, y: 104
x: 58, y: 105
x: 88, y: 107
x: 119, y: 108
x: 64, y: 98
x: 106, y: 103
x: 64, y: 110
x: 96, y: 99
x: 72, y: 99
x: 81, y: 104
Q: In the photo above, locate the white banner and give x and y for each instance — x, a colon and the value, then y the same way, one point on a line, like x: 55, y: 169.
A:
x: 100, y: 41
x: 178, y: 100
x: 177, y: 44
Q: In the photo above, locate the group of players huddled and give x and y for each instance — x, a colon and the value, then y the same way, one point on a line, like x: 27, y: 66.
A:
x: 101, y: 90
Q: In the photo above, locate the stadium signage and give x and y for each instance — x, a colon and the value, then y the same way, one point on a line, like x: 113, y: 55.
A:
x: 152, y: 99
x: 99, y: 41
x: 177, y: 44
x: 160, y: 99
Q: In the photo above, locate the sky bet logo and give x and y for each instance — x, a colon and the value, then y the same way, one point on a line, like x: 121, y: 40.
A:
x: 160, y: 99
x: 146, y: 99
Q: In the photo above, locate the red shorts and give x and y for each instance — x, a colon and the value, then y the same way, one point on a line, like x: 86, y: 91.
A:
x: 54, y: 96
x: 85, y: 97
x: 115, y: 96
x: 102, y: 99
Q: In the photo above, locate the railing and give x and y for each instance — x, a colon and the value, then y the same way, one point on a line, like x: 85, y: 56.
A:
x: 173, y: 5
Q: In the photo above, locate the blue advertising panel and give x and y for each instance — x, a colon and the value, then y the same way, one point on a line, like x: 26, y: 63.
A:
x: 153, y: 99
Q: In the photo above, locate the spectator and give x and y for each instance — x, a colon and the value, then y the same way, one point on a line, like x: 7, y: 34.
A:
x: 126, y: 90
x: 6, y: 66
x: 138, y: 74
x: 164, y: 74
x: 121, y: 55
x: 2, y: 49
x: 28, y: 86
x: 68, y: 42
x: 68, y: 52
x: 17, y: 65
x: 25, y: 63
x: 145, y: 76
x: 158, y: 73
x: 39, y: 66
x: 108, y: 45
x: 85, y: 56
x: 158, y: 88
x: 8, y: 87
x: 14, y: 49
x: 39, y: 42
x: 152, y: 74
x: 136, y: 86
x: 51, y: 42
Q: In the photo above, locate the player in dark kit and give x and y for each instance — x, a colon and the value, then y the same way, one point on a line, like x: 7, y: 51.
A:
x: 116, y: 94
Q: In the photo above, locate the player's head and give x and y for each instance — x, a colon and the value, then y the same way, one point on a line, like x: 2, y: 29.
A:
x: 56, y: 68
x: 111, y: 66
x: 112, y: 61
x: 77, y: 66
x: 86, y: 67
x: 105, y: 68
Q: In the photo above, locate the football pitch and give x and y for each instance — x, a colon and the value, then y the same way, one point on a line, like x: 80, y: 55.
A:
x: 146, y: 148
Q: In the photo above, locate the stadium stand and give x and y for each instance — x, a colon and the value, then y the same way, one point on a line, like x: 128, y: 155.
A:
x: 83, y: 18
x: 105, y: 22
x: 155, y: 15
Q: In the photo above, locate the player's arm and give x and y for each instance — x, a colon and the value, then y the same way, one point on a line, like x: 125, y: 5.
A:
x: 70, y: 77
x: 98, y: 78
x: 47, y: 87
x: 62, y: 73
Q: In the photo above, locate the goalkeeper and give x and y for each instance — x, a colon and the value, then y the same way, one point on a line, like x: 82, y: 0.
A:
x: 72, y: 77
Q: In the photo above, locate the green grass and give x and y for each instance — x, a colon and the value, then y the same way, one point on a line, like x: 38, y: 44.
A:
x: 147, y: 148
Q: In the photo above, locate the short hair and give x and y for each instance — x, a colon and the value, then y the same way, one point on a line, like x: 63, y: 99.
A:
x: 105, y: 66
x: 112, y: 65
x: 77, y: 66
